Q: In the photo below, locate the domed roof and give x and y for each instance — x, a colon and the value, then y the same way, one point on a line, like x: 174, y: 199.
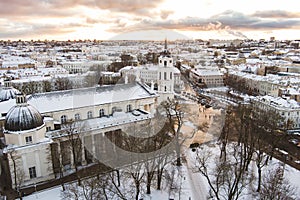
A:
x: 8, y: 93
x: 22, y: 117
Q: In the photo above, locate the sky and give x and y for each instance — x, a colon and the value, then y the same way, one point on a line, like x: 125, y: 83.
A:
x: 149, y: 19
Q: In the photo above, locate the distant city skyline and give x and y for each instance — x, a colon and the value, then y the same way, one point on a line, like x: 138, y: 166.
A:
x: 143, y: 19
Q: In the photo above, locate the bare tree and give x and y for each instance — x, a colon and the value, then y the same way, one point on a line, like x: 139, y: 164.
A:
x: 175, y: 121
x: 275, y: 186
x: 97, y: 187
x: 47, y: 87
x: 174, y: 178
x: 62, y: 83
x: 227, y: 178
x: 71, y: 131
x: 57, y: 165
x: 18, y: 173
x: 267, y: 123
x: 29, y: 87
x: 161, y: 155
x: 174, y: 112
x: 91, y: 80
x: 137, y: 175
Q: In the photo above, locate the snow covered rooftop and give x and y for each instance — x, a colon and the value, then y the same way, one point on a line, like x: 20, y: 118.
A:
x: 278, y: 102
x: 147, y: 67
x: 207, y: 72
x: 14, y: 61
x: 70, y: 99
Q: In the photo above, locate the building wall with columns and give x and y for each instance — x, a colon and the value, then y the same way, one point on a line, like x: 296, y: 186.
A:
x: 34, y: 160
x: 34, y: 157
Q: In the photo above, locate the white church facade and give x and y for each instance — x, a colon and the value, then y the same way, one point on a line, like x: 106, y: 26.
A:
x: 35, y: 127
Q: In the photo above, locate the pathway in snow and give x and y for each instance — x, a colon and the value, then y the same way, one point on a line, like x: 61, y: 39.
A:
x: 197, y: 184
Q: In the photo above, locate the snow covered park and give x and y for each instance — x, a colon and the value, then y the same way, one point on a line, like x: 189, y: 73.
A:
x: 187, y: 182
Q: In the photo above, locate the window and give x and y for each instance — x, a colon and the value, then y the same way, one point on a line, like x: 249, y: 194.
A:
x: 170, y: 75
x: 101, y: 113
x: 114, y: 109
x: 165, y: 75
x: 89, y: 115
x: 32, y: 172
x: 63, y: 119
x: 165, y: 63
x: 28, y: 139
x: 48, y: 128
x: 129, y: 108
x: 77, y: 116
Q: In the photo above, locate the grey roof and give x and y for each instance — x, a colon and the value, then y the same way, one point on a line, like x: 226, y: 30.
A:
x: 22, y: 117
x: 77, y: 98
x: 8, y: 93
x: 71, y: 99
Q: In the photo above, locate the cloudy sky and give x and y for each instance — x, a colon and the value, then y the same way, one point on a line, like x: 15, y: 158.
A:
x: 106, y: 19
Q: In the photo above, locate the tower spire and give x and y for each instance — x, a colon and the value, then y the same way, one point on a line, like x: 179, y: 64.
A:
x: 166, y: 44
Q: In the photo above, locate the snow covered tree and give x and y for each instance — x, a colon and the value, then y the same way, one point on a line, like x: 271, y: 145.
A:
x: 228, y: 178
x: 100, y: 187
x: 175, y: 114
x: 71, y: 131
x: 275, y: 186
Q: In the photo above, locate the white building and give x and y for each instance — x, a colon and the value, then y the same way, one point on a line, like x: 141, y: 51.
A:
x: 289, y: 109
x: 76, y: 66
x: 34, y: 128
x: 207, y: 77
x: 264, y: 85
x: 164, y: 77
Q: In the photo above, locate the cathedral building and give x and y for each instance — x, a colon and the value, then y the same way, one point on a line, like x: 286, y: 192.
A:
x: 41, y: 131
x: 37, y: 128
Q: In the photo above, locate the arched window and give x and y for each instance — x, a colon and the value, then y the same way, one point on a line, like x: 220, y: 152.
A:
x: 129, y: 108
x: 89, y: 115
x: 101, y: 113
x: 77, y: 116
x: 63, y: 119
x: 165, y: 88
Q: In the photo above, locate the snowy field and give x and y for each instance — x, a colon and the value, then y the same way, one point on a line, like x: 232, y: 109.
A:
x: 192, y: 184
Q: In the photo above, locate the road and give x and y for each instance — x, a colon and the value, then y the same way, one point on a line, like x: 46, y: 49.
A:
x: 197, y: 184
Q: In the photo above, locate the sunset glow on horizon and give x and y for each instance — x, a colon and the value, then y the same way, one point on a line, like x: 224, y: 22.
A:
x: 106, y: 19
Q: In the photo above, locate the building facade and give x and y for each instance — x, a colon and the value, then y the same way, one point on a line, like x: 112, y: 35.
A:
x: 207, y: 77
x: 163, y: 78
x: 288, y: 109
x: 37, y: 129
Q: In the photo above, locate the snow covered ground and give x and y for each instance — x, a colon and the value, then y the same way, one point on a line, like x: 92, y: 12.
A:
x: 185, y: 191
x: 291, y: 174
x: 193, y: 184
x: 50, y: 194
